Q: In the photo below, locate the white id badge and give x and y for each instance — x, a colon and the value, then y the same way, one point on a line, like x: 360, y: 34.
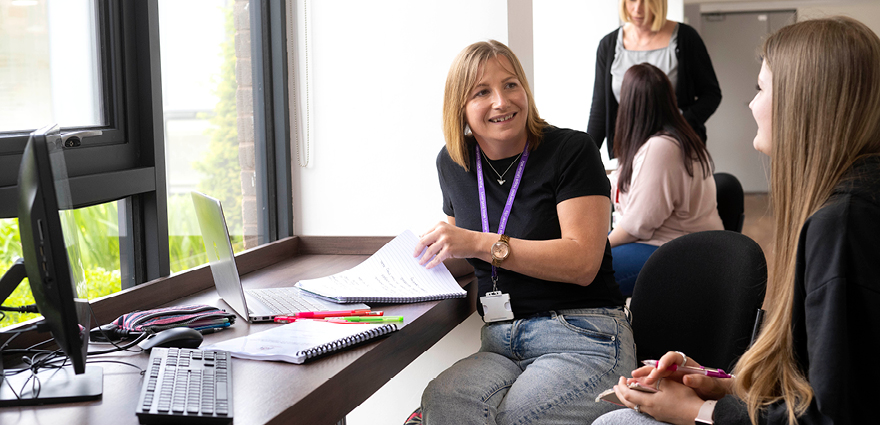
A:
x: 496, y: 307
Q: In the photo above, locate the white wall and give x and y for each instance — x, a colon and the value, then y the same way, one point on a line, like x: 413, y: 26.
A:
x: 377, y: 71
x: 567, y: 34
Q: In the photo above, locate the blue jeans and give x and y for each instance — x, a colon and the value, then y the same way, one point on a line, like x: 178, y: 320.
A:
x: 627, y: 260
x: 546, y: 369
x: 626, y: 417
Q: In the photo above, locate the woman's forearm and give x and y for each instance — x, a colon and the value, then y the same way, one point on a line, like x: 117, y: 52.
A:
x: 619, y: 237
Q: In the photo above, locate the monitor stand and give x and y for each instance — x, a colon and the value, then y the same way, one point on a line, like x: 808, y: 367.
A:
x: 54, y: 386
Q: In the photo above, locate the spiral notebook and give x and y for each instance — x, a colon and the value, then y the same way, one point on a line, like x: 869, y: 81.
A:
x: 299, y: 341
x: 391, y: 275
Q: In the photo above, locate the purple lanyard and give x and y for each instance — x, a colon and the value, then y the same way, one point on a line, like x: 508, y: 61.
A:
x: 484, y: 212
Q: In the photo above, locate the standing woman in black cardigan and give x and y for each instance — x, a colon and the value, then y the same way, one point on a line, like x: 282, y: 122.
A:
x: 675, y: 48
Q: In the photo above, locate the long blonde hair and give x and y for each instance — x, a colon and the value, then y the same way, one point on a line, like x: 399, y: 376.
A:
x: 826, y: 109
x: 463, y: 76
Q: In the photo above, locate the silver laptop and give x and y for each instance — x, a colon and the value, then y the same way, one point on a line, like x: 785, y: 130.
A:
x: 256, y: 305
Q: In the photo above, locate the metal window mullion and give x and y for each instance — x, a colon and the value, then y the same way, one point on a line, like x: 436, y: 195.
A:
x: 264, y: 138
x: 283, y: 193
x: 150, y: 213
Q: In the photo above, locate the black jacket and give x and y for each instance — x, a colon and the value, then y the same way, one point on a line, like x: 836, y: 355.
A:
x: 836, y: 311
x: 697, y: 89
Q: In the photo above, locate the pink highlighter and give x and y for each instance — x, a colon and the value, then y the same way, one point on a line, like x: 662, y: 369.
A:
x: 714, y: 373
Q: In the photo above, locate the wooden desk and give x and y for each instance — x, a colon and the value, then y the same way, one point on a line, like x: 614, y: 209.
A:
x: 322, y: 391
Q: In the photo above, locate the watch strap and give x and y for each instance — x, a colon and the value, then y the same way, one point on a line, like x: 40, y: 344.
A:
x: 707, y: 411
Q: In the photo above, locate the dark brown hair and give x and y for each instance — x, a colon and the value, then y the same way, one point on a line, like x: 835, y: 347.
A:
x: 648, y: 107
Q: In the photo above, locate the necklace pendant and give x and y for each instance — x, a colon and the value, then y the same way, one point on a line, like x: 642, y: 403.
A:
x: 501, y: 182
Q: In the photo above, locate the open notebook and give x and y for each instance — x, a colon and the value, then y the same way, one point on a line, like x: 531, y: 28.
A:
x: 391, y: 275
x: 301, y: 340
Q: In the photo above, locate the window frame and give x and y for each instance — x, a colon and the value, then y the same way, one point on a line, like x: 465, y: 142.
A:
x: 127, y: 162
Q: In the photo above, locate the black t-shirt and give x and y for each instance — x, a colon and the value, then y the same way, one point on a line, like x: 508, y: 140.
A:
x: 566, y: 165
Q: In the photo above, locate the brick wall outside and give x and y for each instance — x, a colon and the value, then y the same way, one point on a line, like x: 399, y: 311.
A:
x: 244, y: 101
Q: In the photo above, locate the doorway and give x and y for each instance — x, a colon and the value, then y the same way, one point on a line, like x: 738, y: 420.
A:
x: 734, y: 43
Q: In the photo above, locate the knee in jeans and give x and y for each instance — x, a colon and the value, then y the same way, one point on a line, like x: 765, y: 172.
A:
x: 439, y: 392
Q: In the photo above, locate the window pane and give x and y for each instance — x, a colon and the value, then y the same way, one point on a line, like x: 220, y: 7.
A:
x: 208, y: 111
x: 49, y: 72
x: 92, y: 235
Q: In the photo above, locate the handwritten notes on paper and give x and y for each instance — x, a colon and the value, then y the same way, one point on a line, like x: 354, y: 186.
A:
x: 391, y: 275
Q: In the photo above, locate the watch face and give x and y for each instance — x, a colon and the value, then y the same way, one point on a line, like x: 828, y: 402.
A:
x: 500, y: 250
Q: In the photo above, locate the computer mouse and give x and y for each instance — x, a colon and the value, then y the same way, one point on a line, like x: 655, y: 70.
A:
x: 181, y: 337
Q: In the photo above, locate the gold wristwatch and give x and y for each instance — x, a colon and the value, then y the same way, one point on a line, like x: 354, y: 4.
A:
x: 500, y: 250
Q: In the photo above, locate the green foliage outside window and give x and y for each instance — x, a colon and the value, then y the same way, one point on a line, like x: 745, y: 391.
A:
x: 96, y: 229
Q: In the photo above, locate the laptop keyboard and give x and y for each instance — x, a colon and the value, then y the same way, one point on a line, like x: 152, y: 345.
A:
x: 186, y: 385
x: 284, y: 301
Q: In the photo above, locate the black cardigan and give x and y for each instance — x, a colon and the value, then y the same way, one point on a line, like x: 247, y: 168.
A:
x: 835, y: 319
x: 697, y: 90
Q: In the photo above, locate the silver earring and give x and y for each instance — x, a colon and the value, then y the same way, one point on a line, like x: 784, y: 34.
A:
x: 467, y: 130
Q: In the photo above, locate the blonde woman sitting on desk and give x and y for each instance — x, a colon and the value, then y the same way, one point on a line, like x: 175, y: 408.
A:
x: 528, y: 207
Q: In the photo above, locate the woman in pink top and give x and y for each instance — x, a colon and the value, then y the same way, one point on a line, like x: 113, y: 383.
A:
x: 663, y: 187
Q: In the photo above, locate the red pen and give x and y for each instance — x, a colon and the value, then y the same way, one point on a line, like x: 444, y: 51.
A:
x: 326, y: 314
x: 289, y: 319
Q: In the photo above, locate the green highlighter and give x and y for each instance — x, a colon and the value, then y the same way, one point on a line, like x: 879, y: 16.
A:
x: 366, y: 319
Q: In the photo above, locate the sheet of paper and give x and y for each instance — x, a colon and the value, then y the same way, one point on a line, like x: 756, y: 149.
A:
x: 392, y: 273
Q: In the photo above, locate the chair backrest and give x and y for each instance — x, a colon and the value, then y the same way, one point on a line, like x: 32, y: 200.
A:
x: 729, y: 195
x: 700, y: 294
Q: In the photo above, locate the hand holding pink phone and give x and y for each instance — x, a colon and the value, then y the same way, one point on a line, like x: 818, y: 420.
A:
x: 611, y: 396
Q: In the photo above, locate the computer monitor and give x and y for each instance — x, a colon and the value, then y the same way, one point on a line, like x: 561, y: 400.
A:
x: 43, y: 192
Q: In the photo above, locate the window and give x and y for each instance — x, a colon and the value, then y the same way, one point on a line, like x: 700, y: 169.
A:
x: 49, y: 73
x: 154, y: 115
x: 95, y: 233
x: 209, y: 143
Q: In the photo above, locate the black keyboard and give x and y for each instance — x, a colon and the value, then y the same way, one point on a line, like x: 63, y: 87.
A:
x: 186, y: 386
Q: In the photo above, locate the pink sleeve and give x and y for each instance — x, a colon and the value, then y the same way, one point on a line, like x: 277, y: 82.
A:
x: 656, y: 188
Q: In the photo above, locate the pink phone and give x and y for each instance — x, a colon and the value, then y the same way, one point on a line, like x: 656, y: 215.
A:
x: 642, y: 388
x: 611, y: 397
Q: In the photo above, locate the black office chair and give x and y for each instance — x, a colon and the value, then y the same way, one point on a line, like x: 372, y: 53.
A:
x: 700, y: 294
x: 729, y: 195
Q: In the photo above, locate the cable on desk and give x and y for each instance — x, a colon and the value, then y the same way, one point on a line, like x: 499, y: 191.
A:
x: 142, y: 371
x: 104, y: 333
x: 140, y: 338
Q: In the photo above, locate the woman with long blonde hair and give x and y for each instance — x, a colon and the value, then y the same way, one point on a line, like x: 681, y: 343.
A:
x: 818, y: 115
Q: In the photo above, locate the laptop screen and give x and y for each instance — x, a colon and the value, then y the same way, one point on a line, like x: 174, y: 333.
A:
x: 219, y: 250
